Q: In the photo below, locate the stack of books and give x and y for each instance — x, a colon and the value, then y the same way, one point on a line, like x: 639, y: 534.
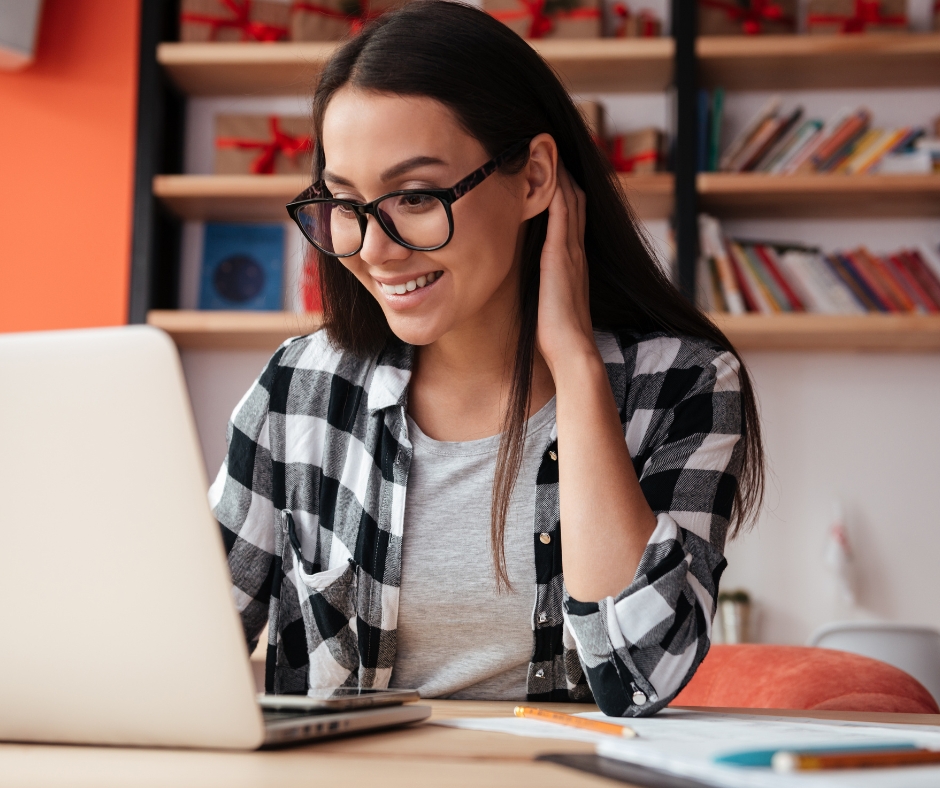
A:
x: 763, y: 277
x: 787, y: 143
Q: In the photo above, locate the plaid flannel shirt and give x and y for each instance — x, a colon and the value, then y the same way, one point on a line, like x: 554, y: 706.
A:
x: 311, y: 501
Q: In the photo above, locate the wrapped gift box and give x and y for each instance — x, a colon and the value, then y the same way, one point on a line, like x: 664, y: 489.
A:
x: 635, y: 24
x: 549, y: 18
x: 638, y: 151
x: 328, y: 20
x: 856, y: 16
x: 593, y: 114
x: 234, y: 20
x: 262, y: 145
x: 746, y: 17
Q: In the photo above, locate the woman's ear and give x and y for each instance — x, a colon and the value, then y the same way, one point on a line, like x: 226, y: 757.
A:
x: 540, y: 175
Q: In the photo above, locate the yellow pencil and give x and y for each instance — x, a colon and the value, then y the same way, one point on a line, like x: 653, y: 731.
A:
x: 609, y: 728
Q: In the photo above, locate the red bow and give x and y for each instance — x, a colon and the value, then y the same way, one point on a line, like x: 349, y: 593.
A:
x: 356, y: 21
x: 250, y: 30
x: 867, y: 12
x: 628, y: 163
x: 647, y: 18
x: 542, y: 23
x: 282, y: 143
x: 750, y: 18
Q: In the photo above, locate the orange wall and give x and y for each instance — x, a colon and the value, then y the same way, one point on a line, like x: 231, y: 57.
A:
x: 67, y: 128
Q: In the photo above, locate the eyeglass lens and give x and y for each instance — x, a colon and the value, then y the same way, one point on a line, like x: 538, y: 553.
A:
x: 417, y: 219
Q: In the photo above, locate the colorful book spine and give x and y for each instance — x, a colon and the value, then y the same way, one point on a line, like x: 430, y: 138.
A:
x: 916, y: 265
x: 849, y: 278
x: 714, y: 134
x: 860, y: 264
x: 918, y: 294
x: 713, y: 247
x: 765, y: 301
x: 894, y: 289
x: 771, y: 262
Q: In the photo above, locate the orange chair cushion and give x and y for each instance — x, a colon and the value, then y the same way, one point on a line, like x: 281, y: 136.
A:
x: 797, y: 677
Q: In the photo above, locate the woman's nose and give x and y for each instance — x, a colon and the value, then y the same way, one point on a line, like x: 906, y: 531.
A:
x: 377, y: 247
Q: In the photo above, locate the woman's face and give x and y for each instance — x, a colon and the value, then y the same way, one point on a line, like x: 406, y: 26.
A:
x: 376, y: 143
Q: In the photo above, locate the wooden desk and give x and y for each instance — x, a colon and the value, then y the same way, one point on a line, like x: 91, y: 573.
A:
x: 425, y: 755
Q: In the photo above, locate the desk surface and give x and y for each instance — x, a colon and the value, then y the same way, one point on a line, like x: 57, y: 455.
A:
x: 424, y: 755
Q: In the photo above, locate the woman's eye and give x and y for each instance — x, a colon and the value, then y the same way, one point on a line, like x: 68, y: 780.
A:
x: 416, y: 201
x: 344, y: 210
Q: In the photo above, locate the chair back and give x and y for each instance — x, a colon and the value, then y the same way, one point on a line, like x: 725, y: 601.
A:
x: 913, y: 649
x: 751, y: 675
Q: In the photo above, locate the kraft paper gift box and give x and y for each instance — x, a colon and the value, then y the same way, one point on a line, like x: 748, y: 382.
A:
x: 549, y: 18
x: 262, y: 145
x: 856, y: 16
x: 636, y: 24
x: 751, y: 17
x: 234, y: 20
x: 593, y: 114
x: 328, y: 20
x: 640, y: 151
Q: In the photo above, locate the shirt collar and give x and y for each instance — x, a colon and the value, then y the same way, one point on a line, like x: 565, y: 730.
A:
x: 391, y: 377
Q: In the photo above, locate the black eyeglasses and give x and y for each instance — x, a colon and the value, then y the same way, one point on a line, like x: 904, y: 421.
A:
x: 418, y: 219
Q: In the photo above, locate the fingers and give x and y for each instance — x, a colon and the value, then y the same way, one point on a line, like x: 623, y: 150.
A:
x: 576, y: 202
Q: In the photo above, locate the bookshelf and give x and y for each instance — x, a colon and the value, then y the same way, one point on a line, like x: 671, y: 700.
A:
x: 171, y: 71
x: 591, y: 65
x: 757, y: 195
x: 816, y: 62
x: 193, y: 329
x: 262, y: 198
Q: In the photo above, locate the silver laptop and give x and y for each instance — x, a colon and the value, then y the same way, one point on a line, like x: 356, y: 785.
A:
x: 117, y: 624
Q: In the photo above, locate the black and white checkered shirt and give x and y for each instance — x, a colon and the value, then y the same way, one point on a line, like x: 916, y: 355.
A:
x: 311, y: 500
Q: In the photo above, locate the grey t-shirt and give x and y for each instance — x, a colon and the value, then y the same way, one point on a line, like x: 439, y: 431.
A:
x: 457, y: 637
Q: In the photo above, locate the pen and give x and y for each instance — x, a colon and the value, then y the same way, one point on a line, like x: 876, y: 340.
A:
x: 764, y: 757
x: 784, y: 761
x: 609, y: 728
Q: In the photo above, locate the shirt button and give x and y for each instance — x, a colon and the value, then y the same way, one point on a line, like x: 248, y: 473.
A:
x: 540, y: 674
x: 639, y: 698
x: 545, y: 538
x: 542, y: 618
x: 553, y: 455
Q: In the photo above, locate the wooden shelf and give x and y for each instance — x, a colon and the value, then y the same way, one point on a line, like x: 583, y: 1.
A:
x: 886, y: 333
x: 210, y: 330
x: 261, y: 198
x: 587, y: 65
x: 804, y: 62
x: 751, y: 195
x: 910, y: 333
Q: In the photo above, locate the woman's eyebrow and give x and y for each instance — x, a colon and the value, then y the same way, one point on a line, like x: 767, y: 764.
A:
x: 391, y: 173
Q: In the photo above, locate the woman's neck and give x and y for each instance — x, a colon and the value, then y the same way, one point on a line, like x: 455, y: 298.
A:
x: 460, y: 383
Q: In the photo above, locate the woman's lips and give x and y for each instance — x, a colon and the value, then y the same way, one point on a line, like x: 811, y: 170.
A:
x: 404, y: 295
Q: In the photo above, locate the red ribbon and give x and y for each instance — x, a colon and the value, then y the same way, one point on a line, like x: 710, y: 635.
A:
x: 647, y: 19
x: 542, y: 23
x: 751, y: 18
x: 628, y: 163
x: 282, y: 143
x: 356, y: 21
x: 867, y: 12
x: 250, y: 30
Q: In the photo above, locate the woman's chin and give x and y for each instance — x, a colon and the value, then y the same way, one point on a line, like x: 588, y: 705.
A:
x: 415, y: 331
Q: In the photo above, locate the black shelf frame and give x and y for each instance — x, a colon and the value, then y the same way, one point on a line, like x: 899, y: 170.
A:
x: 161, y: 119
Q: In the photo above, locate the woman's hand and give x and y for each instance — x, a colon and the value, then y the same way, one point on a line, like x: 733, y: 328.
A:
x: 564, y: 319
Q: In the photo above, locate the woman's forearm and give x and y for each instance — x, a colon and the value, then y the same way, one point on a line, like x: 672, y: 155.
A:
x: 605, y: 519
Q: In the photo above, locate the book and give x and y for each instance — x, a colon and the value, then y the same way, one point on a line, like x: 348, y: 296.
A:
x: 714, y: 134
x: 763, y: 147
x: 713, y: 247
x: 771, y: 288
x: 772, y: 262
x: 758, y: 290
x: 808, y: 150
x: 894, y: 289
x: 807, y: 136
x: 869, y: 158
x: 769, y: 110
x: 837, y: 293
x: 844, y: 134
x: 869, y: 139
x: 906, y: 278
x: 844, y: 267
x: 860, y: 262
x: 783, y: 146
x: 242, y: 266
x: 916, y: 264
x: 791, y: 265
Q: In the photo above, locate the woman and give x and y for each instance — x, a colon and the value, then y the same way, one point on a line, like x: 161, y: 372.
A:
x: 502, y: 366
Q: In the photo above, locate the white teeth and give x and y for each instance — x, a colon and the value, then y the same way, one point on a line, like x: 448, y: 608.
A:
x: 411, y: 284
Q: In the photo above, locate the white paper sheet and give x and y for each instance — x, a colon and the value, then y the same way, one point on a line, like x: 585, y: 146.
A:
x: 687, y: 742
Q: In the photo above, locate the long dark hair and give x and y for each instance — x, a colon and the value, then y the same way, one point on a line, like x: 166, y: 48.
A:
x: 501, y: 91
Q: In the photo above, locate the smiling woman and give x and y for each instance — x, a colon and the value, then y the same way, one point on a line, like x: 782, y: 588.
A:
x: 502, y: 367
